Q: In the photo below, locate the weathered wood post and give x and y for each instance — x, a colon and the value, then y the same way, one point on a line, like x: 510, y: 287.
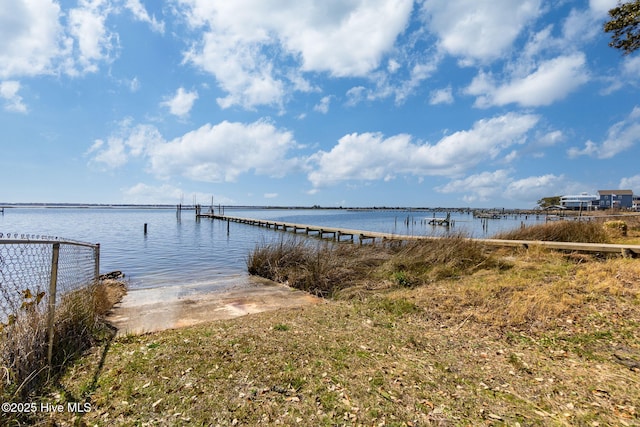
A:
x: 53, y: 284
x: 96, y: 262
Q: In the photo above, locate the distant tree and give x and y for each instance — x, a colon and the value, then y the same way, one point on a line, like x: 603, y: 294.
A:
x: 546, y: 202
x: 624, y: 26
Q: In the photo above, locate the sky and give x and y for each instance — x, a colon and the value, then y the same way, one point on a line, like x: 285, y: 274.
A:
x: 440, y: 103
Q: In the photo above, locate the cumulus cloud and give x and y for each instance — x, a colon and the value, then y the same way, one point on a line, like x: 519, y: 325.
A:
x: 583, y: 25
x: 211, y: 153
x: 481, y: 30
x: 38, y: 38
x: 632, y: 182
x: 129, y: 142
x: 181, y: 103
x: 533, y: 187
x: 9, y: 92
x: 225, y: 151
x: 441, y: 96
x: 323, y: 105
x: 31, y: 37
x: 242, y: 41
x: 94, y: 42
x: 553, y: 80
x: 487, y: 186
x: 479, y: 187
x: 371, y: 156
x: 620, y: 137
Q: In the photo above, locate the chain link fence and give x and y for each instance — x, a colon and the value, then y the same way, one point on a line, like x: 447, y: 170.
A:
x: 27, y: 268
x: 46, y: 290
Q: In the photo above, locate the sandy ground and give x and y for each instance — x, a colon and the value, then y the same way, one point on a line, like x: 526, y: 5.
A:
x: 150, y: 310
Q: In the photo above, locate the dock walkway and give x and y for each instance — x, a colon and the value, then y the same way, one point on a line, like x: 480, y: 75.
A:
x: 339, y: 234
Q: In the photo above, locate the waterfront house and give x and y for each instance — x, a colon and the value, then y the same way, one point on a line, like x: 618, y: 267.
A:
x: 580, y: 201
x: 619, y: 199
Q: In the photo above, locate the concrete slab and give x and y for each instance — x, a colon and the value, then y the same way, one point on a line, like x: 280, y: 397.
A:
x: 156, y: 309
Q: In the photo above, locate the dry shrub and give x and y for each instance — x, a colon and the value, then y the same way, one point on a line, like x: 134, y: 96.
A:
x: 615, y: 228
x: 24, y: 341
x: 325, y: 269
x: 559, y: 231
x: 322, y: 269
x: 424, y: 261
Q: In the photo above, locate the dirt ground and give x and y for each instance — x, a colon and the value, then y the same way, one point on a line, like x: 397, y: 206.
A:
x: 157, y: 309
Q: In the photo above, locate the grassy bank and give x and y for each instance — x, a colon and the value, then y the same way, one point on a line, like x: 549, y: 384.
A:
x: 414, y: 335
x: 78, y: 325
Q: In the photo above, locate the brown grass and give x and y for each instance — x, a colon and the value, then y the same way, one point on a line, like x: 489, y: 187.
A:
x: 24, y: 342
x: 328, y: 269
x: 560, y: 231
x: 551, y: 341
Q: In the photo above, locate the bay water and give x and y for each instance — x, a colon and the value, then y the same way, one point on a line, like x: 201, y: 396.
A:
x: 205, y: 254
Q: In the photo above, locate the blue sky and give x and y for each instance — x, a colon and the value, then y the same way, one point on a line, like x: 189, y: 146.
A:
x: 481, y: 103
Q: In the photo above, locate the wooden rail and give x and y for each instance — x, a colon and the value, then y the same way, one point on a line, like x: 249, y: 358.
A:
x: 337, y: 233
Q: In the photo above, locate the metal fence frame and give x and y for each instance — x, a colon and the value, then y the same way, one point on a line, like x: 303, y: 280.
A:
x: 56, y: 243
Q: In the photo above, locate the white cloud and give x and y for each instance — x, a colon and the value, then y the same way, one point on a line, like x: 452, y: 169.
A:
x: 30, y: 34
x: 142, y: 193
x: 94, y: 41
x: 441, y: 96
x: 487, y: 186
x: 110, y: 154
x: 9, y: 92
x: 148, y: 194
x: 550, y: 139
x: 479, y: 30
x: 225, y: 151
x: 211, y: 153
x: 480, y: 187
x: 620, y: 137
x: 632, y: 183
x: 355, y: 95
x: 242, y: 41
x: 533, y: 187
x: 584, y: 25
x: 141, y: 14
x: 270, y: 195
x: 371, y: 156
x: 553, y: 80
x: 181, y: 103
x: 323, y: 105
x: 127, y: 143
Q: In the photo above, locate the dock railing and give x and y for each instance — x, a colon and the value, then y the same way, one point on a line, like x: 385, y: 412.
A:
x: 37, y: 275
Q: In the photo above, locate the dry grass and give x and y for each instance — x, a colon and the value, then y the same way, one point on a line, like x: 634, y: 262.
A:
x: 551, y: 340
x: 24, y: 342
x: 560, y: 231
x: 328, y: 269
x: 548, y: 342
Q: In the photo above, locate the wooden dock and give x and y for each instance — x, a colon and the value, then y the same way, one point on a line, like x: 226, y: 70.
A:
x: 340, y: 234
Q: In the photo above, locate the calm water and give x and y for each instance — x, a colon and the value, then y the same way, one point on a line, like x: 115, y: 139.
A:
x: 187, y: 252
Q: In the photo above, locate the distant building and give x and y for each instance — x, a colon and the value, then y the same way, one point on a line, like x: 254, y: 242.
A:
x: 635, y: 204
x: 580, y: 201
x: 616, y: 199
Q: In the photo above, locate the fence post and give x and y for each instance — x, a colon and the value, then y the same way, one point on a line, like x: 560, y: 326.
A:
x: 96, y: 254
x: 52, y: 298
